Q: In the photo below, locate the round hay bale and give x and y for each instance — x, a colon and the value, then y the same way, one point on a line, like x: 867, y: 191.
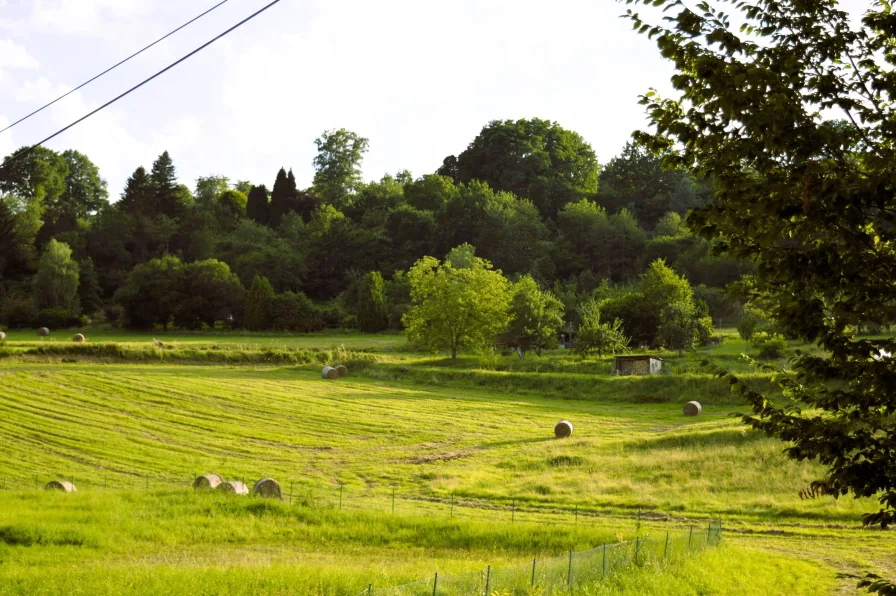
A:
x: 692, y: 408
x: 329, y: 373
x: 235, y: 487
x: 61, y: 485
x: 207, y: 482
x: 79, y: 339
x: 2, y: 336
x: 43, y: 332
x: 563, y: 429
x: 342, y: 371
x: 157, y: 344
x: 269, y: 488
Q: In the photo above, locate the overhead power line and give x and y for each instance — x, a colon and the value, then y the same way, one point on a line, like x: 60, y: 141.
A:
x: 108, y: 70
x: 25, y: 152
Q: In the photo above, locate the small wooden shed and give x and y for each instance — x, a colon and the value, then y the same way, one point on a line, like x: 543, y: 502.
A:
x: 637, y: 365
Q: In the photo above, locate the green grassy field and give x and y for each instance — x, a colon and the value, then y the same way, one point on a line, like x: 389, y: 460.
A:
x: 462, y: 452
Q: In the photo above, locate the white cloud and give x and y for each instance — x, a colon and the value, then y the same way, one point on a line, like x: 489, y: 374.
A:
x: 13, y: 55
x: 40, y: 91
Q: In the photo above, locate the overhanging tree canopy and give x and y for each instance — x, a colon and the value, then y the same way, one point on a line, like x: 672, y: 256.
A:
x: 813, y: 202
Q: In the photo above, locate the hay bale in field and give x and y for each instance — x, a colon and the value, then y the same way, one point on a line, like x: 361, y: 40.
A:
x: 342, y: 371
x: 43, y: 332
x: 692, y: 408
x: 563, y: 429
x: 79, y: 339
x: 329, y: 373
x: 61, y: 485
x: 157, y: 344
x: 269, y: 488
x: 207, y: 481
x: 235, y: 487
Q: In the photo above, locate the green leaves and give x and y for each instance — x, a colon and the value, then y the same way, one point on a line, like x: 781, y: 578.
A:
x: 810, y: 201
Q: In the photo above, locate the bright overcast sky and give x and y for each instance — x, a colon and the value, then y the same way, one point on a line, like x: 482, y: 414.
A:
x: 418, y: 78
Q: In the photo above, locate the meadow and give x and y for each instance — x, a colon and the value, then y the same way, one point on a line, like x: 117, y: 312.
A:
x: 411, y: 465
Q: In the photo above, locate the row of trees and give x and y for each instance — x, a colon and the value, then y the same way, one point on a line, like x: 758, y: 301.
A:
x: 528, y: 194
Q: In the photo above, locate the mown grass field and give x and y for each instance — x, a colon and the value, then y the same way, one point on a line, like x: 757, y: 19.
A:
x: 466, y: 449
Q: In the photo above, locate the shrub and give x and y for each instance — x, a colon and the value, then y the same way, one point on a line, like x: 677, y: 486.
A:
x: 58, y: 318
x: 770, y: 345
x: 373, y: 310
x: 293, y: 311
x: 18, y: 312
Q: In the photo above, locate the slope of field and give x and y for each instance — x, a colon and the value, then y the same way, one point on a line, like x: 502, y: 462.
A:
x: 474, y: 470
x: 118, y: 424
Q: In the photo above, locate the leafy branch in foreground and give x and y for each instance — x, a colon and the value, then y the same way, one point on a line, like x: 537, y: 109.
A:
x: 811, y: 201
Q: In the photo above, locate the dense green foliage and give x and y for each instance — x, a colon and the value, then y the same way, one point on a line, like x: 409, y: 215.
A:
x: 812, y: 201
x: 525, y: 193
x: 460, y: 303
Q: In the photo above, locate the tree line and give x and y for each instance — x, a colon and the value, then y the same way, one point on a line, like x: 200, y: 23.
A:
x: 528, y: 194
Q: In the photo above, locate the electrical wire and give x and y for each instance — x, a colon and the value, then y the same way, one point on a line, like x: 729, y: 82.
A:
x: 108, y: 70
x: 25, y: 152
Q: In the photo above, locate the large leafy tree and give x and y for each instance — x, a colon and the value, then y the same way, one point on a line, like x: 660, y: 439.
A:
x: 257, y: 205
x: 598, y: 337
x: 337, y: 166
x: 537, y: 315
x: 56, y: 282
x: 149, y: 296
x: 41, y: 172
x: 812, y: 202
x: 534, y: 159
x: 208, y: 292
x: 460, y: 303
x: 636, y: 180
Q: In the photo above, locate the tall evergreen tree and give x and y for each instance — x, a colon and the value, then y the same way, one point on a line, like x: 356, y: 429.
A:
x: 257, y: 207
x: 163, y: 179
x: 137, y: 198
x: 279, y: 198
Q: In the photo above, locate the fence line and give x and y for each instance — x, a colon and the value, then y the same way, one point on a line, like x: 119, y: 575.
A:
x: 560, y: 575
x: 339, y: 496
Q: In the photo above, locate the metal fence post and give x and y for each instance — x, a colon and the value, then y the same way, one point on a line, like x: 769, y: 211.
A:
x: 637, y: 549
x: 290, y: 492
x: 639, y: 520
x: 604, y: 570
x: 512, y: 510
x: 690, y: 535
x: 452, y: 505
x: 488, y: 578
x: 569, y: 572
x: 533, y: 571
x: 709, y: 534
x: 666, y: 547
x: 435, y: 585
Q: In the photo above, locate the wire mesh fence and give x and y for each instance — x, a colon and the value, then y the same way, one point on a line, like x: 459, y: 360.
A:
x: 560, y: 575
x: 556, y: 575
